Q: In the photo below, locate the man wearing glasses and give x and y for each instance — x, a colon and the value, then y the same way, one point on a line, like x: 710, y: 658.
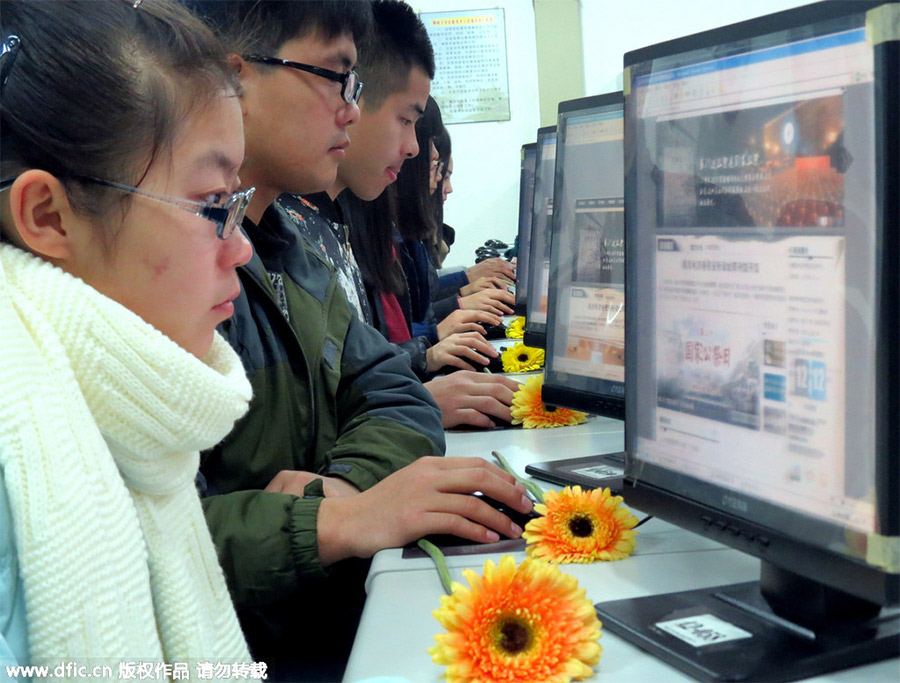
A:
x: 328, y: 464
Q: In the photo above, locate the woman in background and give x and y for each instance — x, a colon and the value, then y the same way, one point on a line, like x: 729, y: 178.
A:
x: 431, y: 300
x: 121, y: 141
x: 443, y: 187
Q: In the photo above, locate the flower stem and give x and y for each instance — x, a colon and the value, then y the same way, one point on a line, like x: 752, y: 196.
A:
x: 533, y: 488
x: 440, y: 562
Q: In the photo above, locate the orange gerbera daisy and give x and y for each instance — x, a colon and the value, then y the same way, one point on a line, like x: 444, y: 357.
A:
x: 581, y: 526
x: 516, y: 329
x: 530, y: 411
x: 518, y: 625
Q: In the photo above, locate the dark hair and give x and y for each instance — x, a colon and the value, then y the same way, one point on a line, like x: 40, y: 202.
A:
x: 100, y: 89
x: 372, y: 232
x: 415, y: 214
x: 397, y: 43
x: 445, y: 149
x: 264, y: 26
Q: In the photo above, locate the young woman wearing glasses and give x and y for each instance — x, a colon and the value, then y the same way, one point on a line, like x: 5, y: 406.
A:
x: 121, y: 142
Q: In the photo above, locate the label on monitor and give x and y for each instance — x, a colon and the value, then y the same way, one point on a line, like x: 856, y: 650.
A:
x: 599, y: 471
x: 703, y: 629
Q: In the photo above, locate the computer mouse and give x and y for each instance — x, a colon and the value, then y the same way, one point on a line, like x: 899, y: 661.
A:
x: 482, y: 251
x: 499, y: 425
x: 495, y: 365
x: 495, y: 331
x: 520, y: 518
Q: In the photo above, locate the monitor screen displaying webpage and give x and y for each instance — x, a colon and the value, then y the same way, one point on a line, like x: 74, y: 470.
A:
x: 526, y: 202
x: 753, y: 223
x: 586, y: 322
x: 542, y: 213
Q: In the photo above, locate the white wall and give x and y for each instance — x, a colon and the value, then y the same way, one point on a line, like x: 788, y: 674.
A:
x: 485, y: 200
x: 610, y: 28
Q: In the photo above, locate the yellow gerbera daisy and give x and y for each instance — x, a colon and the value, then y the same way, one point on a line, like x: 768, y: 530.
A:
x: 517, y: 624
x: 521, y: 358
x: 516, y: 329
x: 529, y: 410
x: 581, y: 526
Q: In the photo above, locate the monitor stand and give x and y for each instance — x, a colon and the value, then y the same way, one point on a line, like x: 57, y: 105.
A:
x: 731, y: 633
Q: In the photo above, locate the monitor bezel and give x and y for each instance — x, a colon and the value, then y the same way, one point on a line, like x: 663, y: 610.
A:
x: 771, y: 23
x: 535, y: 333
x: 520, y: 306
x: 777, y: 546
x: 556, y: 394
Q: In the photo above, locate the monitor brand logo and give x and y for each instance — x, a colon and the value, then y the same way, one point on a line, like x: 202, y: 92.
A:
x: 735, y: 503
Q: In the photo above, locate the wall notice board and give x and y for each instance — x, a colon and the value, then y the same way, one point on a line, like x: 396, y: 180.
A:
x: 471, y: 82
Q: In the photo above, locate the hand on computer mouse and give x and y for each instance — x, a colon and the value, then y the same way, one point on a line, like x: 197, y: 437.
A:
x: 515, y: 516
x: 463, y: 350
x: 466, y: 321
x: 491, y: 267
x: 428, y: 496
x: 473, y: 398
x: 496, y: 301
x: 487, y: 282
x: 518, y: 518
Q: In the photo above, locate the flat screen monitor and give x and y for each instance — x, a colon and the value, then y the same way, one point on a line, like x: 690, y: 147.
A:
x: 526, y: 208
x: 538, y: 276
x: 763, y: 365
x: 585, y: 359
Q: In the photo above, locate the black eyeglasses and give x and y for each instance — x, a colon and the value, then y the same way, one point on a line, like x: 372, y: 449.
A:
x: 351, y: 86
x: 8, y: 52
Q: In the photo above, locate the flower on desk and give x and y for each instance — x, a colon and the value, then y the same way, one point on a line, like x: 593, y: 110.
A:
x: 521, y: 358
x: 581, y: 526
x: 530, y: 411
x: 517, y: 624
x: 516, y: 329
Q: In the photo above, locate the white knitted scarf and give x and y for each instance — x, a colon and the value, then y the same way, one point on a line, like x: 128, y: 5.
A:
x: 101, y: 418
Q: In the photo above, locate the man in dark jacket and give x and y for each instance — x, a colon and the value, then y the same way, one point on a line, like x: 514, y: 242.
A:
x: 330, y: 462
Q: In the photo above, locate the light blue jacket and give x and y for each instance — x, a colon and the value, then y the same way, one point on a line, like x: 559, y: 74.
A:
x: 13, y: 627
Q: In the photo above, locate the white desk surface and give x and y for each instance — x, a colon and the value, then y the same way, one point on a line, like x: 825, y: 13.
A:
x: 397, y: 627
x: 656, y: 537
x: 524, y: 446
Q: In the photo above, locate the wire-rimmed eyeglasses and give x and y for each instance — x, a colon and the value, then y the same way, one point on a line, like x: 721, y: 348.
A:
x: 226, y: 215
x: 351, y: 86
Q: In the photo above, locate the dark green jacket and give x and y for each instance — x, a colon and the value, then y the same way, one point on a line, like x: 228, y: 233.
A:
x: 330, y: 396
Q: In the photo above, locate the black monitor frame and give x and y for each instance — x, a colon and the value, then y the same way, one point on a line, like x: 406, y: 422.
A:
x: 795, y: 569
x: 606, y: 405
x: 535, y: 332
x: 523, y: 244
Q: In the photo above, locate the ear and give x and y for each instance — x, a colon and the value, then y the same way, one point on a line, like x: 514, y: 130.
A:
x: 247, y: 77
x: 42, y: 215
